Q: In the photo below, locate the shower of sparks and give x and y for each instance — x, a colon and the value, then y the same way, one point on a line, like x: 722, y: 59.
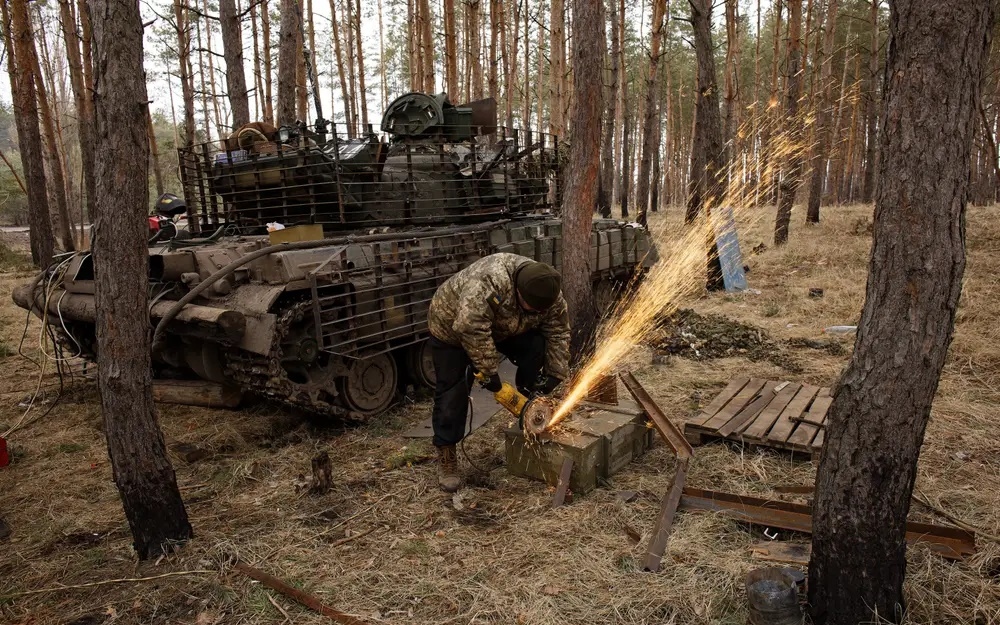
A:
x: 683, y: 263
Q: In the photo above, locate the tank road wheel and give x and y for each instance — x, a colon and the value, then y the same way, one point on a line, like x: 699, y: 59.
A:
x: 420, y: 364
x: 370, y: 384
x: 606, y: 294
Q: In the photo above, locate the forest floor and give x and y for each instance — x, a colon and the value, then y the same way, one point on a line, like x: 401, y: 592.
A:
x: 505, y: 556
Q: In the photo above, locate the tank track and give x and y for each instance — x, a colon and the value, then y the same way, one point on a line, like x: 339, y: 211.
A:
x: 265, y: 376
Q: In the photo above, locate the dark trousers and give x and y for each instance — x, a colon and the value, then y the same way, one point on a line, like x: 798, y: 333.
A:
x: 453, y: 371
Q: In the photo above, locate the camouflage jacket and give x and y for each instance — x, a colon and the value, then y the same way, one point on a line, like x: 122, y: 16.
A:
x: 477, y: 308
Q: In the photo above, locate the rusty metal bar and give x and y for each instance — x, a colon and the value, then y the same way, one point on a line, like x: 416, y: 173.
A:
x: 948, y: 542
x: 664, y: 523
x: 667, y: 430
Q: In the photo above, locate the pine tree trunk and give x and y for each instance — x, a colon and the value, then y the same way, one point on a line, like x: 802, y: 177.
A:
x: 937, y: 53
x: 345, y: 94
x: 707, y: 169
x: 202, y: 83
x: 583, y: 172
x: 181, y: 14
x: 220, y: 125
x: 650, y: 111
x: 84, y: 108
x: 265, y: 24
x: 258, y: 70
x: 472, y: 17
x: 846, y: 188
x: 526, y: 83
x: 771, y: 115
x: 28, y: 60
x: 450, y: 50
x: 493, y: 87
x: 540, y: 57
x: 557, y: 66
x: 141, y: 469
x: 824, y: 102
x: 871, y: 109
x: 427, y: 44
x: 791, y: 176
x: 362, y: 91
x: 154, y: 153
x: 352, y: 85
x: 505, y: 63
x: 22, y: 86
x: 301, y: 88
x: 625, y: 173
x: 731, y: 121
x: 289, y: 53
x: 620, y: 111
x: 606, y: 189
x: 232, y: 47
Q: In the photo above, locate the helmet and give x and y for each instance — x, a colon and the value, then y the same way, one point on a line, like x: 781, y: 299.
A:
x: 170, y: 205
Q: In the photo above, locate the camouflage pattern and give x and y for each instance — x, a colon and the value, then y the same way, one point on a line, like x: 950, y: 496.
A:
x: 477, y: 308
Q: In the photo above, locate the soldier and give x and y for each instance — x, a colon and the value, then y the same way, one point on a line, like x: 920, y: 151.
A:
x: 501, y: 304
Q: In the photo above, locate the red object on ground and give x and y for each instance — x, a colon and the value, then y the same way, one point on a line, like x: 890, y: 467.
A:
x: 4, y: 456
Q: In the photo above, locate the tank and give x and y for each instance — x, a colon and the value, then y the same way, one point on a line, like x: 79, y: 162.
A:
x: 311, y: 254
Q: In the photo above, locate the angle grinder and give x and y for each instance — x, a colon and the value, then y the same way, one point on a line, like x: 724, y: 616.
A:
x: 532, y: 414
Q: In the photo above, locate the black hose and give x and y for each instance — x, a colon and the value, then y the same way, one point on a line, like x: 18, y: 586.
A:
x: 299, y: 245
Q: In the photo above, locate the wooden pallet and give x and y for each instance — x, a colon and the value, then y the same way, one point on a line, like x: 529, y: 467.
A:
x: 783, y: 415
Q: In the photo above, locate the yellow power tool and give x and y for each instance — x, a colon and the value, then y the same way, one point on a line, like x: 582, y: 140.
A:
x: 532, y: 414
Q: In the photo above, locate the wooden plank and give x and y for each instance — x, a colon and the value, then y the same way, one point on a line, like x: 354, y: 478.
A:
x: 751, y: 410
x: 805, y: 433
x: 818, y: 441
x: 196, y: 393
x: 784, y: 425
x: 742, y: 399
x: 784, y: 552
x: 720, y: 400
x: 769, y: 414
x: 664, y: 522
x: 564, y: 474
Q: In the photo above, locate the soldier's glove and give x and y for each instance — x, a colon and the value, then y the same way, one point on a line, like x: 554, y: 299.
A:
x: 549, y: 384
x: 493, y: 384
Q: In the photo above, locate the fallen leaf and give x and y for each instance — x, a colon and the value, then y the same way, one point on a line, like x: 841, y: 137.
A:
x: 551, y: 590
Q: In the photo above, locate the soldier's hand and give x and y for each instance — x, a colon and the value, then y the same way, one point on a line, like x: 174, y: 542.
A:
x: 493, y: 384
x: 549, y: 384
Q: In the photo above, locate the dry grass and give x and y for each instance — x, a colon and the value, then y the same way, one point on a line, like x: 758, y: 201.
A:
x: 508, y: 559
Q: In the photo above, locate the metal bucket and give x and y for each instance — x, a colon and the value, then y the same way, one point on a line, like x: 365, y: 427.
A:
x: 773, y: 597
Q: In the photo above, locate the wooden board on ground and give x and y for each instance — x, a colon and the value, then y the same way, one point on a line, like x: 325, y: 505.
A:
x: 784, y: 552
x: 769, y: 413
x: 196, y: 393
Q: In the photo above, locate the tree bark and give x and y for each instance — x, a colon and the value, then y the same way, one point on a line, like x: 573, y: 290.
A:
x: 154, y: 153
x: 557, y: 66
x: 27, y: 58
x: 651, y: 121
x: 232, y: 47
x: 265, y: 25
x: 791, y: 175
x: 141, y: 469
x: 220, y: 126
x: 871, y: 110
x: 625, y: 173
x: 427, y: 45
x: 526, y: 83
x: 707, y: 168
x: 362, y: 91
x: 584, y: 169
x: 289, y: 53
x: 381, y: 56
x: 351, y: 75
x: 474, y: 51
x: 258, y: 70
x: 937, y: 54
x: 181, y: 13
x: 732, y: 95
x: 493, y: 87
x: 340, y: 67
x: 771, y: 165
x: 22, y: 86
x: 824, y: 102
x: 450, y: 50
x: 606, y: 190
x: 620, y: 99
x: 84, y: 107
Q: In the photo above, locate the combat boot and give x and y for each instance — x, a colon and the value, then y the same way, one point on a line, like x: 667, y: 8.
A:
x: 448, y: 477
